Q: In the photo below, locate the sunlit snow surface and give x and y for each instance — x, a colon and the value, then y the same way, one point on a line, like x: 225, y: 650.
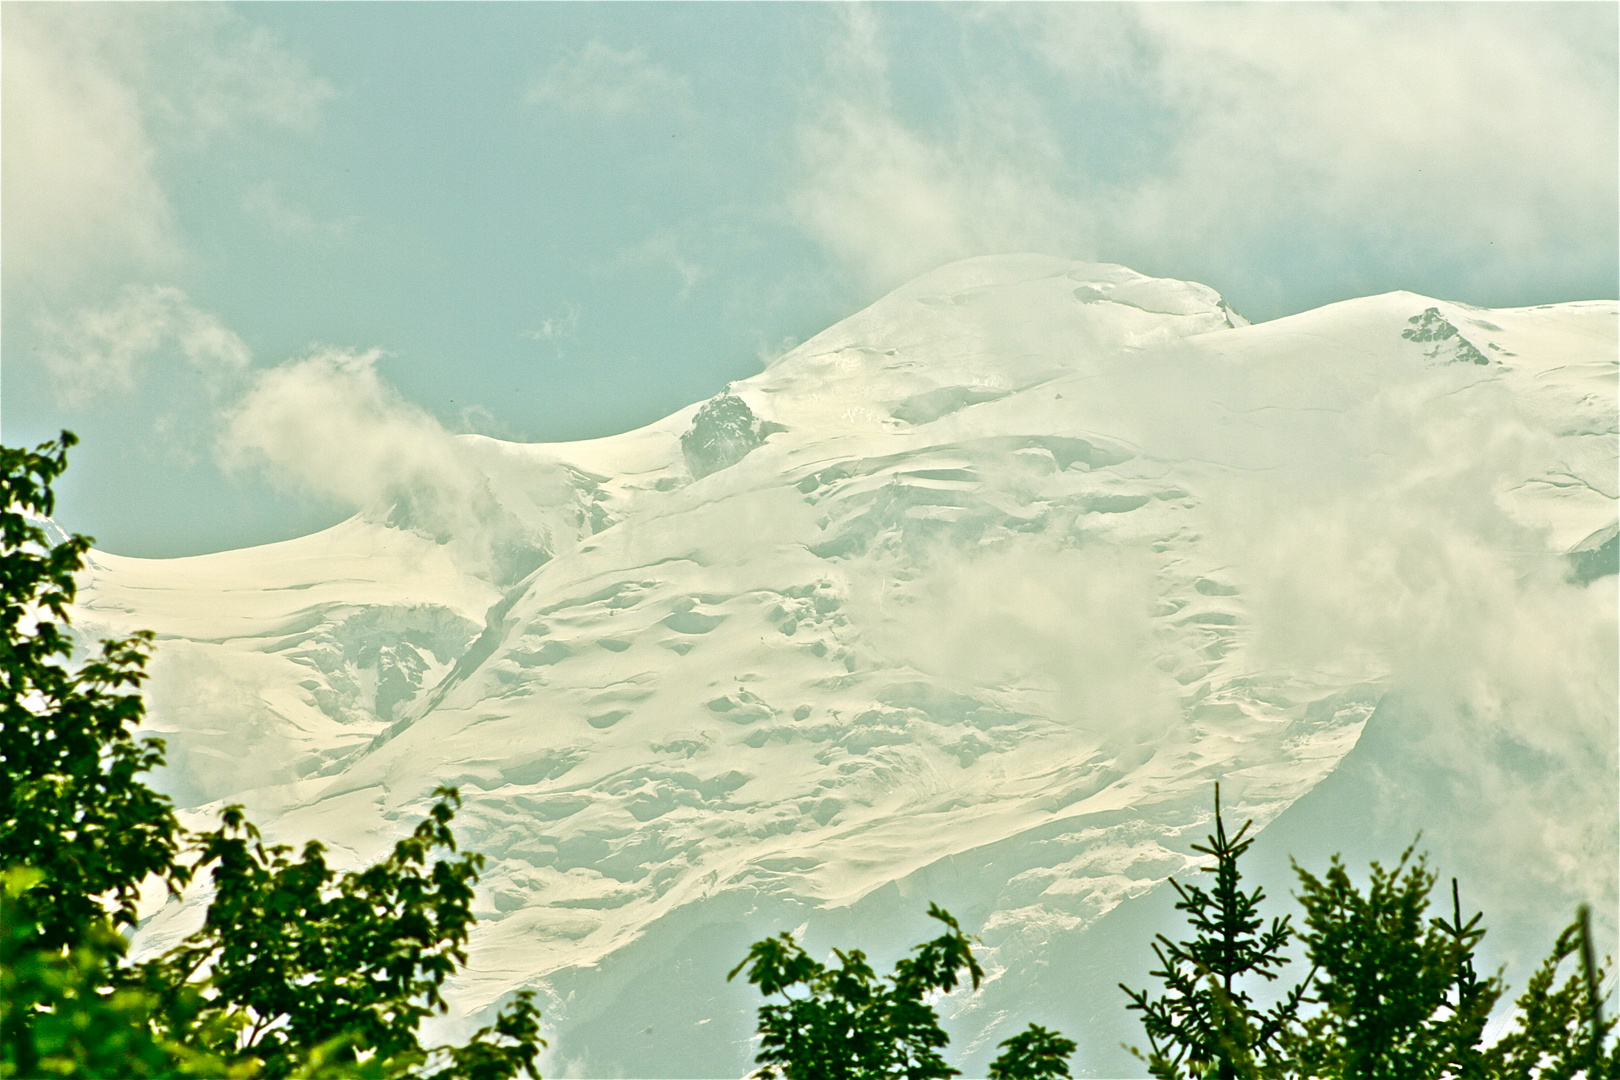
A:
x: 975, y: 595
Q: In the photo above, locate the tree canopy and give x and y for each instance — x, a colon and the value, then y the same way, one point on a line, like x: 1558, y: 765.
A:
x: 847, y: 1023
x: 72, y: 804
x: 298, y: 969
x: 1392, y: 992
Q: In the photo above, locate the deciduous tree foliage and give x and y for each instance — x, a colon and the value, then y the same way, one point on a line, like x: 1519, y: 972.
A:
x: 847, y: 1023
x: 298, y: 970
x: 64, y: 1013
x: 293, y: 955
x: 70, y: 803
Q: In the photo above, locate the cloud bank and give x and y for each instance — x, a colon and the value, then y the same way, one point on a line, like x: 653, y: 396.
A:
x: 1214, y: 140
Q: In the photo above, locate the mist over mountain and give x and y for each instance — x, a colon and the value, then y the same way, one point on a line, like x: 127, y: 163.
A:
x: 970, y: 598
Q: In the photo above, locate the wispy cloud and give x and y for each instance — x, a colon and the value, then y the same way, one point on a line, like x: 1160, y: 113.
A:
x: 607, y: 83
x: 329, y: 425
x: 1394, y: 138
x: 890, y: 201
x: 666, y: 249
x: 1410, y: 128
x: 79, y: 185
x: 103, y: 349
x: 94, y: 96
x: 265, y: 202
x: 239, y: 73
x: 558, y: 328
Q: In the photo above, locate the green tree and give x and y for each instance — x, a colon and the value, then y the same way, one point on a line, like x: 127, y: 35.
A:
x: 1032, y: 1054
x: 1205, y: 1023
x: 1561, y: 1031
x: 1396, y: 992
x: 62, y: 1014
x: 71, y: 803
x: 847, y: 1023
x: 293, y: 955
x: 298, y: 970
x: 1392, y: 994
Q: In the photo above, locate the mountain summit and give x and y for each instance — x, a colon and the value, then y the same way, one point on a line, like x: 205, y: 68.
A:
x: 969, y: 598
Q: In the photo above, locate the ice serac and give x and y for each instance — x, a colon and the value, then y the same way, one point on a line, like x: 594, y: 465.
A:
x: 970, y: 598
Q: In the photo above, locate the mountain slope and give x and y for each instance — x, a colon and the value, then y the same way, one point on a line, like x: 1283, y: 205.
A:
x: 970, y: 598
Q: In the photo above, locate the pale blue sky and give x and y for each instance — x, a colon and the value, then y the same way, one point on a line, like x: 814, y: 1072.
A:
x: 565, y: 220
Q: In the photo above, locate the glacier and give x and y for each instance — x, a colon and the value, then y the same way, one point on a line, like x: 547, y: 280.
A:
x: 970, y: 598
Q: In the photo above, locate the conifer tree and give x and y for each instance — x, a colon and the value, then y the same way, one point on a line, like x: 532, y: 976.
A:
x: 1393, y: 993
x: 1396, y: 993
x: 1033, y: 1054
x: 1205, y: 1023
x: 1560, y: 1030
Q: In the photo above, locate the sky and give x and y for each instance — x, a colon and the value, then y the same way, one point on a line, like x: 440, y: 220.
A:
x: 228, y: 229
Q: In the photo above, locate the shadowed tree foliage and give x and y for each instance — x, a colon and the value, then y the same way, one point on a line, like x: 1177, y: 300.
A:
x: 64, y: 1011
x: 847, y: 1023
x: 298, y: 970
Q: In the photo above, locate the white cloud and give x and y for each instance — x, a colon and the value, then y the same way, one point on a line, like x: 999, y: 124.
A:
x: 1444, y: 125
x: 77, y: 184
x: 890, y: 202
x: 558, y: 328
x: 102, y: 349
x: 1024, y: 631
x: 1213, y: 135
x: 94, y: 96
x: 1502, y: 675
x: 328, y: 424
x: 605, y: 82
x: 265, y: 202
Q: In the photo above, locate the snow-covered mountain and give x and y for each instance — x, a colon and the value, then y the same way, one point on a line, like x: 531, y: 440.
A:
x: 970, y: 598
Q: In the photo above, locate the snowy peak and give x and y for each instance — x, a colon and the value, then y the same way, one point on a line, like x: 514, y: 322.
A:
x: 977, y: 330
x: 969, y: 280
x: 970, y: 596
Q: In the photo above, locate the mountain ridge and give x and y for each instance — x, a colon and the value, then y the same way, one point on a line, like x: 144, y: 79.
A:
x: 971, y: 595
